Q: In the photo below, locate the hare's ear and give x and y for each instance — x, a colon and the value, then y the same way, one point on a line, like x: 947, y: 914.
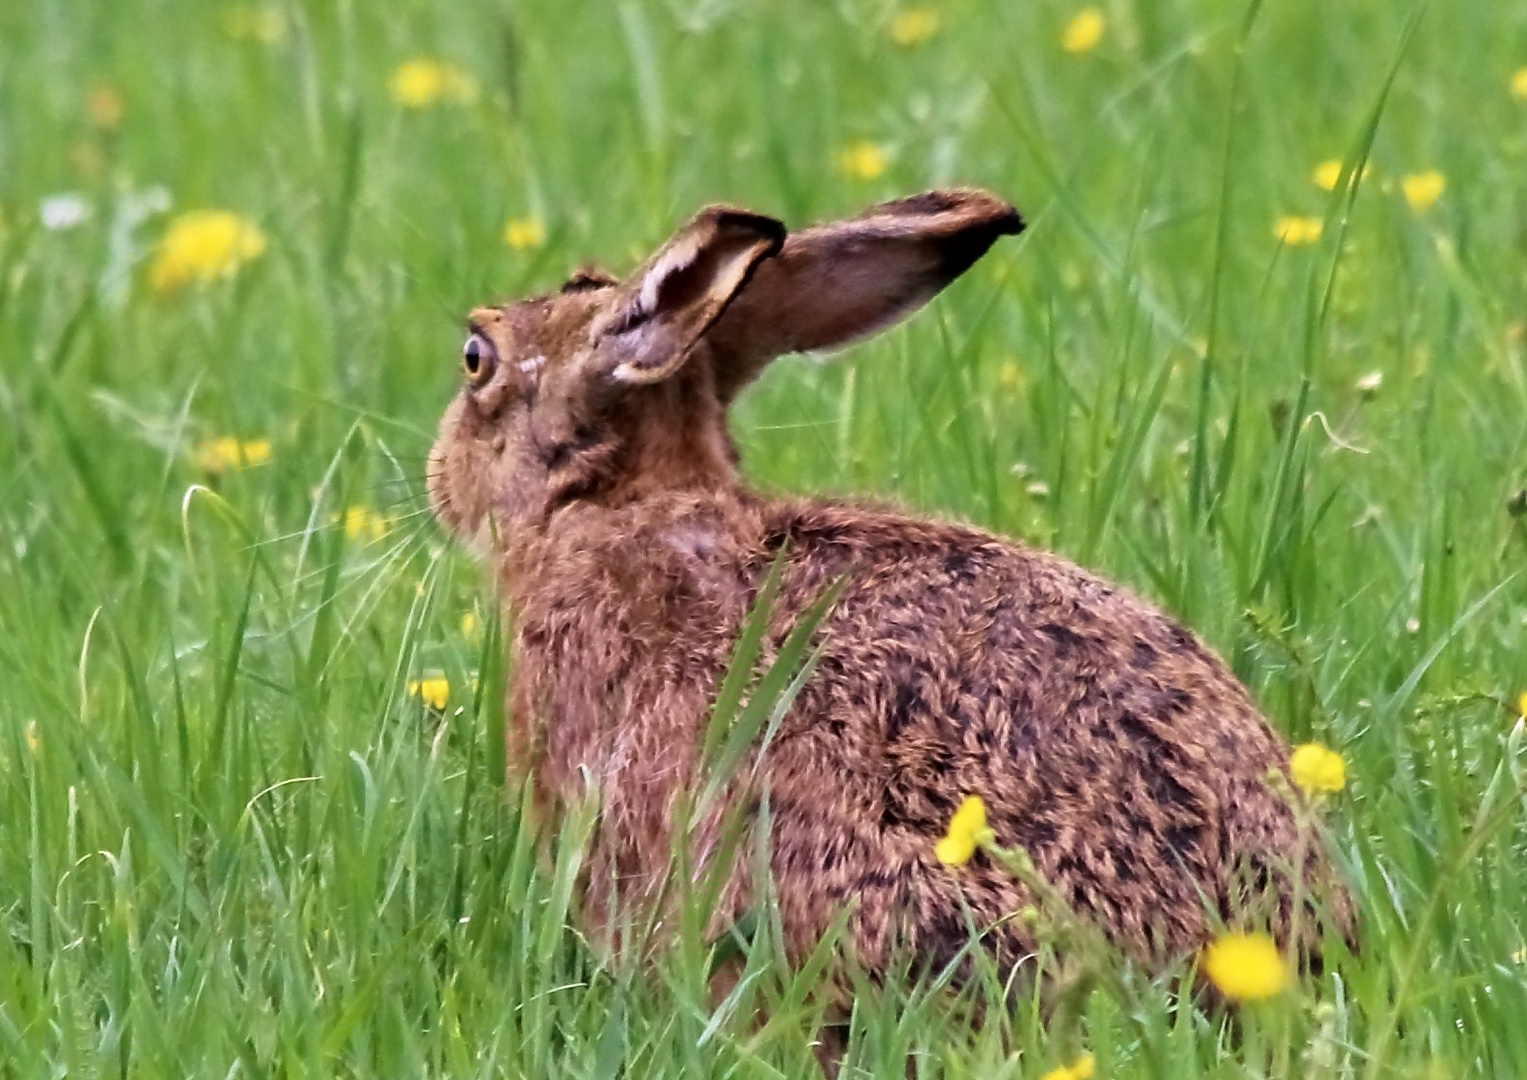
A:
x: 673, y: 300
x: 836, y: 283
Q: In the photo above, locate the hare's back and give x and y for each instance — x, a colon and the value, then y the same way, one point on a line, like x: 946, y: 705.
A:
x: 1101, y: 735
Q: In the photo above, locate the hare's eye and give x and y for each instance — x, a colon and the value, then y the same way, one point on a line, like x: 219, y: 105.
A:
x: 477, y: 358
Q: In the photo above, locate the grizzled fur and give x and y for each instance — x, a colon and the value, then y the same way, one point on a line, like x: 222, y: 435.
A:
x: 589, y: 455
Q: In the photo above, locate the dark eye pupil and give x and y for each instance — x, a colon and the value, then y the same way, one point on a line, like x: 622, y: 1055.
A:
x: 472, y: 355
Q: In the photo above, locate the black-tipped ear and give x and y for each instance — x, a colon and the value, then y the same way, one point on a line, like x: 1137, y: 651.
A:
x: 684, y: 289
x: 834, y: 284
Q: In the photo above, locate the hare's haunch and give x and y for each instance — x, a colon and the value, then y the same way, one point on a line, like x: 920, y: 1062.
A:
x: 589, y: 453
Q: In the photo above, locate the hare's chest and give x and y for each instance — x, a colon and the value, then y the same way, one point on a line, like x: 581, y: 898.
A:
x: 614, y: 687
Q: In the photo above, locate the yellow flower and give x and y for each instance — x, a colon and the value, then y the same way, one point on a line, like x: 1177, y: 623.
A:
x: 364, y: 524
x: 34, y: 740
x: 420, y: 83
x: 1245, y: 967
x: 1317, y: 770
x: 221, y: 454
x: 265, y: 25
x: 1423, y: 189
x: 104, y: 106
x: 524, y: 233
x: 914, y: 27
x: 1080, y: 1069
x: 967, y: 831
x: 434, y: 691
x: 1521, y: 705
x: 1295, y: 231
x: 204, y: 246
x: 471, y: 626
x: 216, y: 455
x: 863, y: 160
x: 1327, y: 175
x: 1519, y: 84
x: 1083, y: 32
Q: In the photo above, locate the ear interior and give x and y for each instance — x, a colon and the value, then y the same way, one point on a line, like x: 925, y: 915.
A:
x: 685, y: 288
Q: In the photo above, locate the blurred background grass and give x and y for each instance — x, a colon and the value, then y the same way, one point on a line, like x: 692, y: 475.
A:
x: 240, y: 833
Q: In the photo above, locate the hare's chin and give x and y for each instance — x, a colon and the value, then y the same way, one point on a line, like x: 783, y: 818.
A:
x: 479, y: 542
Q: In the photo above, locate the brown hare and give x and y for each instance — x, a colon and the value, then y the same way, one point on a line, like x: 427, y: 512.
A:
x: 588, y: 452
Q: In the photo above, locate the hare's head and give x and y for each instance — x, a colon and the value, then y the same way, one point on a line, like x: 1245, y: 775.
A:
x: 609, y: 390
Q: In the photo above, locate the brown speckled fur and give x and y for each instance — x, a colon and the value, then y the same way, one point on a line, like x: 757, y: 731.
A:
x: 590, y: 457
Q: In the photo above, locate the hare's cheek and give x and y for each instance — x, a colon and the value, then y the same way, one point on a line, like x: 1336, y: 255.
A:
x: 437, y: 481
x: 446, y: 497
x: 444, y: 470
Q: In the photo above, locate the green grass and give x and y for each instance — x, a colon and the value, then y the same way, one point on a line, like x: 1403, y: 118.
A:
x: 231, y: 843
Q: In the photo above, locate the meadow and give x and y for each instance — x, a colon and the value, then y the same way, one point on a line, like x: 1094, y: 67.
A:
x: 1260, y: 355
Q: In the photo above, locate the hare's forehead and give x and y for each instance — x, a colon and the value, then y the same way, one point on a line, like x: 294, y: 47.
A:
x: 542, y: 328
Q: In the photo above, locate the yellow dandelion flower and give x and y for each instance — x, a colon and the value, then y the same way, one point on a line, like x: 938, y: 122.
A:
x: 1317, y: 770
x: 1297, y: 231
x: 217, y: 455
x: 224, y: 453
x: 967, y: 831
x: 914, y: 27
x: 471, y: 626
x: 1519, y: 84
x: 1083, y: 32
x: 363, y: 523
x: 1080, y: 1069
x: 204, y: 246
x: 525, y: 233
x: 1327, y: 175
x: 1246, y: 967
x: 863, y: 160
x: 434, y: 691
x: 104, y: 107
x: 1423, y: 189
x: 1521, y: 705
x: 423, y: 82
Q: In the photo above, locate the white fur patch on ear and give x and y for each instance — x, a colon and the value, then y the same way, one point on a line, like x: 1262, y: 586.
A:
x: 680, y: 256
x: 632, y: 373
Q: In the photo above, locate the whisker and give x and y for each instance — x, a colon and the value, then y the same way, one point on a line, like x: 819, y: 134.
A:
x: 371, y: 598
x: 374, y: 576
x: 358, y: 413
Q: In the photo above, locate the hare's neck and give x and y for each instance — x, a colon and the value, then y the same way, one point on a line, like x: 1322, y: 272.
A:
x: 623, y: 621
x: 679, y: 447
x: 592, y: 556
